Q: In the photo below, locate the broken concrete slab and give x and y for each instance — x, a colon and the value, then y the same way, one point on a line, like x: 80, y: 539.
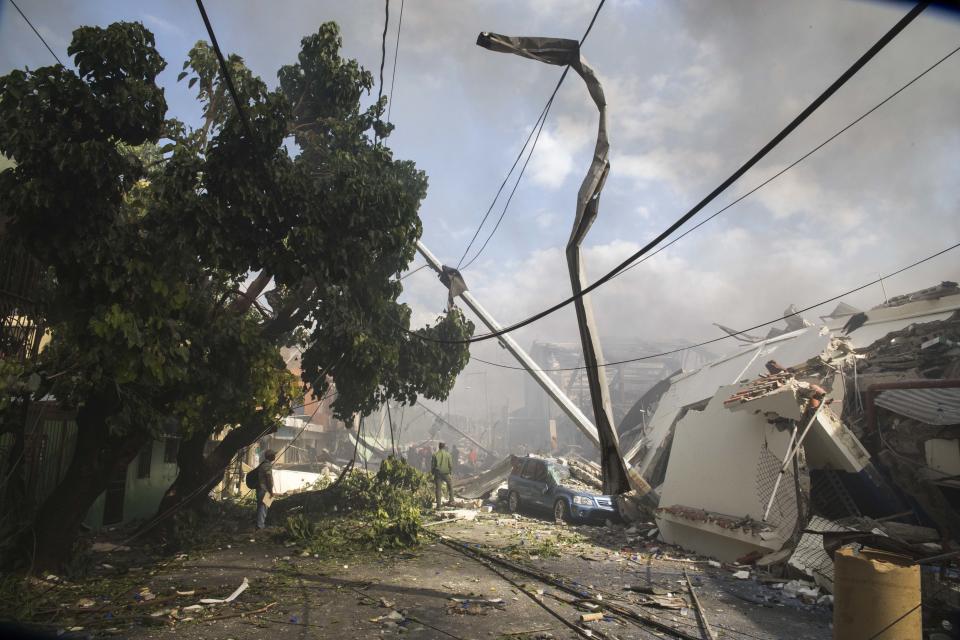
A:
x: 689, y: 389
x: 713, y: 503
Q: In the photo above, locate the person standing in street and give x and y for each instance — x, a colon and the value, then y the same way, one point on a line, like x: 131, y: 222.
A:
x: 412, y: 456
x: 264, y: 474
x: 455, y: 455
x: 441, y: 466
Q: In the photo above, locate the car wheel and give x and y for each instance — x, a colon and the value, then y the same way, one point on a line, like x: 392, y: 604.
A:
x: 561, y: 512
x: 513, y: 502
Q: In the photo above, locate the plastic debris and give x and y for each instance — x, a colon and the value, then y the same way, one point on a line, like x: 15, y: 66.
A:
x: 233, y: 596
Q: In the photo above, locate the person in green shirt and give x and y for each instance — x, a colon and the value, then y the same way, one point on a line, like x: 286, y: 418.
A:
x: 441, y: 466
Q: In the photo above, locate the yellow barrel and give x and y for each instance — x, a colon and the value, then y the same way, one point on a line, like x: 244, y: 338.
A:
x: 876, y: 596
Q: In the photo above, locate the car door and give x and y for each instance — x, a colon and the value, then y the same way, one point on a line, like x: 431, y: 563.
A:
x: 539, y: 485
x: 525, y: 485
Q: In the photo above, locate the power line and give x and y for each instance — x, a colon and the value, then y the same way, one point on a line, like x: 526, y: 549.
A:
x: 24, y: 16
x: 537, y: 128
x: 797, y: 161
x: 759, y: 155
x: 743, y: 331
x: 226, y: 73
x: 396, y: 54
x: 541, y: 118
x: 407, y: 275
x: 447, y: 422
x: 542, y: 122
x: 308, y: 421
x: 383, y: 57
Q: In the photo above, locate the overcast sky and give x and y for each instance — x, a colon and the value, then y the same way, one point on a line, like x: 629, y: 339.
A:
x: 694, y: 88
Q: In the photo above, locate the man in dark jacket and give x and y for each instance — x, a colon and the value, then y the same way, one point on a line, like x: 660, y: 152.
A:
x: 441, y: 466
x: 264, y: 486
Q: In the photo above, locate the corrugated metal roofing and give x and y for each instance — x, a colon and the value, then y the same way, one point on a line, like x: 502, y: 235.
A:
x: 930, y: 406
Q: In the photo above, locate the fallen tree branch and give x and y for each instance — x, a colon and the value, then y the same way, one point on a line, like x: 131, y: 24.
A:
x: 241, y: 614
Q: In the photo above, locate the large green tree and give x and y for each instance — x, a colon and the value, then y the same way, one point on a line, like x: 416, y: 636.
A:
x: 148, y: 231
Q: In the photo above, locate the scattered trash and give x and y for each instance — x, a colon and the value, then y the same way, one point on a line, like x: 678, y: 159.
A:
x: 144, y: 595
x: 667, y: 602
x: 647, y: 589
x: 474, y: 606
x: 243, y: 587
x: 86, y: 603
x: 742, y: 575
x: 393, y: 616
x: 590, y: 617
x: 796, y: 588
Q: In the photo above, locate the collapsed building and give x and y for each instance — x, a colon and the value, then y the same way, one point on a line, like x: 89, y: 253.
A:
x: 850, y: 428
x: 541, y: 425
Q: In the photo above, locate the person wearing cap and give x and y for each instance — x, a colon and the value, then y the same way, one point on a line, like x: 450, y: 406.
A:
x: 264, y: 486
x: 441, y: 466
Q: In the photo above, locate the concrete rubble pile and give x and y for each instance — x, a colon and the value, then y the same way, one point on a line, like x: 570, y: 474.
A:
x: 811, y: 439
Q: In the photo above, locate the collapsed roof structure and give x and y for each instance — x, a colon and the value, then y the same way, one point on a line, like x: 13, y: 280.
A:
x: 850, y: 426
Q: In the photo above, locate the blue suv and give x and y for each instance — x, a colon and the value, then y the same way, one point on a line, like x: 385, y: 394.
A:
x: 546, y: 483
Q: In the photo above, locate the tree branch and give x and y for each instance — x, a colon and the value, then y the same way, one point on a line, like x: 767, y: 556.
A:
x: 241, y: 304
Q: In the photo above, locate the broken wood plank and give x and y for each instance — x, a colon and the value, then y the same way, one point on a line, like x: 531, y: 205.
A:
x: 696, y: 604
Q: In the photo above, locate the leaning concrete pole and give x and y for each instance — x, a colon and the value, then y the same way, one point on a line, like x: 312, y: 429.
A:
x: 566, y: 405
x: 564, y: 52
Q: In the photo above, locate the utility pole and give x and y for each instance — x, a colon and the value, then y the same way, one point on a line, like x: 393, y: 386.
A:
x: 570, y: 408
x: 566, y: 53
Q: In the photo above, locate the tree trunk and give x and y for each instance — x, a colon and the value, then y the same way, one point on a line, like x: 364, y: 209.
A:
x: 198, y: 473
x: 98, y: 456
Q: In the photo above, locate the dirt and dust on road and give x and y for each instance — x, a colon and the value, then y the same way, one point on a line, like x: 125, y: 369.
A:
x: 471, y: 574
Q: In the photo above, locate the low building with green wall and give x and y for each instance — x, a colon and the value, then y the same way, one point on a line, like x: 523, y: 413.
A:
x: 136, y: 493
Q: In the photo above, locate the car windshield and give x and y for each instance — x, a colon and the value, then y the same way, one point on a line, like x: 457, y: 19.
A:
x: 559, y: 472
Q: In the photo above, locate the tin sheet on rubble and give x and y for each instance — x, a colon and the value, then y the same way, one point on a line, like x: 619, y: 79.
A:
x: 884, y: 320
x: 809, y: 555
x: 930, y: 406
x: 481, y: 484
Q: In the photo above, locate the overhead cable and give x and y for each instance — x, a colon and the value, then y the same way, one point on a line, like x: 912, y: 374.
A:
x: 383, y: 57
x: 226, y: 73
x: 795, y: 162
x: 407, y: 275
x: 516, y: 184
x: 42, y: 39
x: 537, y: 128
x: 742, y: 331
x: 396, y: 54
x: 769, y: 146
